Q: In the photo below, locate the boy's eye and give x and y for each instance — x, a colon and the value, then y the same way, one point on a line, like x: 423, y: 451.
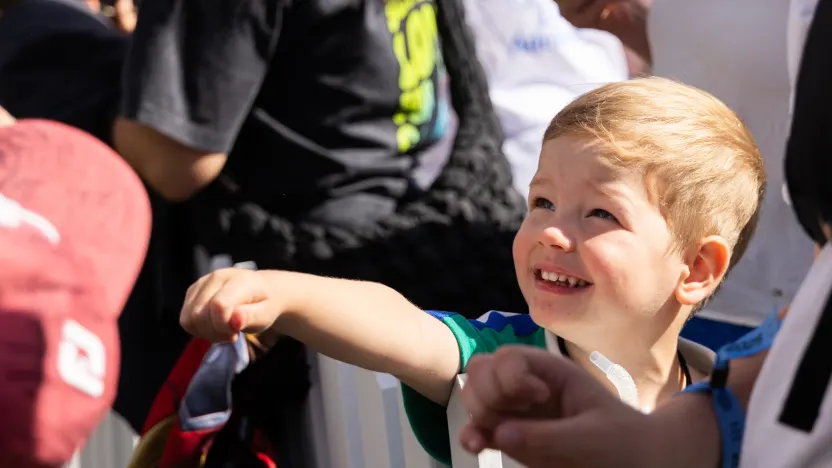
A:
x: 542, y: 203
x: 603, y: 214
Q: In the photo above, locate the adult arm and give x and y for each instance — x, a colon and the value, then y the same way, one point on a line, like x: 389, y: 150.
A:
x: 577, y: 413
x: 191, y: 76
x: 626, y: 19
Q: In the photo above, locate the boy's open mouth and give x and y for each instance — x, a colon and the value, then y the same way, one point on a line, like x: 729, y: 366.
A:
x: 561, y: 280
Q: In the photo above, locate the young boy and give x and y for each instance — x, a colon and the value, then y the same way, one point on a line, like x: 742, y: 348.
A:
x: 647, y: 192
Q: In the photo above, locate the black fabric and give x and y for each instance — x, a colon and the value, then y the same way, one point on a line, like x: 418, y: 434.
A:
x: 149, y: 332
x: 266, y: 400
x: 323, y: 118
x: 809, y: 149
x: 809, y: 176
x: 449, y: 249
x: 811, y: 382
x: 60, y: 61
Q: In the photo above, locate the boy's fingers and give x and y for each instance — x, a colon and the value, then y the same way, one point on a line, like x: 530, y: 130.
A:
x: 250, y: 318
x: 197, y: 316
x: 221, y: 321
x: 194, y: 305
x: 240, y: 302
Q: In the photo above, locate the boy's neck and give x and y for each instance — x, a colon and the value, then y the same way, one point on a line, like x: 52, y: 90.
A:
x: 656, y: 370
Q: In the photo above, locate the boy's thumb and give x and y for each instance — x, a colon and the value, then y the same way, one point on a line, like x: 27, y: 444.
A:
x: 249, y: 318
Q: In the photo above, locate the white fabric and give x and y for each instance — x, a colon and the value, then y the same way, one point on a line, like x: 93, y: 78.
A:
x: 536, y: 63
x: 696, y: 356
x: 768, y: 442
x: 737, y: 50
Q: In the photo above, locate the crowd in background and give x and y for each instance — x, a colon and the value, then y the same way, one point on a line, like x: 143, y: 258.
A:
x: 385, y: 140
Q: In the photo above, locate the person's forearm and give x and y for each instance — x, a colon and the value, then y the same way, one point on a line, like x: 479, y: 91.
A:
x: 371, y: 326
x: 632, y: 32
x: 686, y: 430
x: 173, y: 170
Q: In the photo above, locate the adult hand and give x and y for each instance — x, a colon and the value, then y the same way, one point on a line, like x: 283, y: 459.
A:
x: 595, y: 14
x: 627, y: 19
x: 122, y: 13
x: 125, y: 16
x: 544, y: 411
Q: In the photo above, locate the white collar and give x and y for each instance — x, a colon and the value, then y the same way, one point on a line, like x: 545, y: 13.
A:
x: 696, y: 356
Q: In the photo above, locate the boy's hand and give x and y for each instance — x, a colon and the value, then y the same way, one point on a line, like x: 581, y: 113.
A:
x: 543, y: 411
x: 222, y: 304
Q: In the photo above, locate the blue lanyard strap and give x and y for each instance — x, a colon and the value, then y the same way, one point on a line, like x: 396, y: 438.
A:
x: 729, y: 413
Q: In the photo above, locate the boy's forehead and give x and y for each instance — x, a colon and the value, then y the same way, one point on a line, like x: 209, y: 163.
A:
x: 573, y: 161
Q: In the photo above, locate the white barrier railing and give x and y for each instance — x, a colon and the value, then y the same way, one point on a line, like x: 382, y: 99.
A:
x: 356, y: 420
x: 362, y: 423
x: 109, y: 447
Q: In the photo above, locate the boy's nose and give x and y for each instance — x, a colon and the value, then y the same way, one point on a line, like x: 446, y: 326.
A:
x: 556, y: 238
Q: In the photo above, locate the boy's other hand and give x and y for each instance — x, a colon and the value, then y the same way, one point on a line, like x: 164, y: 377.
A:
x: 543, y: 410
x: 226, y: 302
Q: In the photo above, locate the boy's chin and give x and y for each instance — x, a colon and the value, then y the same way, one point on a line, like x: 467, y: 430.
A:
x: 555, y: 319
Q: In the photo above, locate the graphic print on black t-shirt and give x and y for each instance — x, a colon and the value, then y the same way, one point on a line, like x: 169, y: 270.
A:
x: 421, y: 118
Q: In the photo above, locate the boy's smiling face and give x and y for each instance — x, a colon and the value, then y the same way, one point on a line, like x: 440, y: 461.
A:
x: 595, y: 253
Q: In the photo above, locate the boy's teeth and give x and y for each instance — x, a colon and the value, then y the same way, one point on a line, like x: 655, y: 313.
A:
x: 568, y: 280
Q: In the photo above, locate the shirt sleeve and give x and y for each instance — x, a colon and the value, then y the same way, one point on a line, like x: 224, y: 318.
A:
x: 195, y: 67
x: 429, y: 420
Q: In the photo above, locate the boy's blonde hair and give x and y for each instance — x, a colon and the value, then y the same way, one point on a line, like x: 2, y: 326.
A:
x: 699, y: 161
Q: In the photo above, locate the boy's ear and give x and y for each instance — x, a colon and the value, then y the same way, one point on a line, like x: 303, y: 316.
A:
x: 706, y: 267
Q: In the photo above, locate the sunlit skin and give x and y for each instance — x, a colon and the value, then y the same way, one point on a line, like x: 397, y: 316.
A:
x: 599, y: 225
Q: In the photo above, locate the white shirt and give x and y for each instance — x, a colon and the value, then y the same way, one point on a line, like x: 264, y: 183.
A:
x: 696, y: 356
x: 737, y: 50
x: 536, y: 63
x: 772, y: 438
x: 769, y: 441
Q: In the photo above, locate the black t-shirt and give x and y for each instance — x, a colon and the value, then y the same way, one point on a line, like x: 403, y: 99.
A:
x: 60, y: 61
x: 809, y: 149
x: 330, y: 110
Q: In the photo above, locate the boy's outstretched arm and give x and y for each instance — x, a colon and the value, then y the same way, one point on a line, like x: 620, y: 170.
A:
x: 361, y: 323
